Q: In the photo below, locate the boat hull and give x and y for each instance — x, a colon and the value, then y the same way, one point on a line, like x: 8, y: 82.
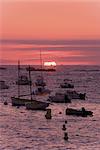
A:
x: 19, y: 101
x: 75, y: 112
x: 36, y: 105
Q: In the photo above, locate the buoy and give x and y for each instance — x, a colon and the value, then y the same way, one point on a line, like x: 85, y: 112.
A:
x: 18, y: 106
x: 66, y: 136
x: 64, y: 127
x: 65, y: 121
x: 60, y: 112
x: 5, y: 103
x: 48, y: 114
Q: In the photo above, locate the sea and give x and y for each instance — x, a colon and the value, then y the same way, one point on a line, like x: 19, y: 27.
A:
x: 22, y: 129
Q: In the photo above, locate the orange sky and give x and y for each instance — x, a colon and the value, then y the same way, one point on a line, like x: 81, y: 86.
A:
x: 50, y: 20
x: 54, y: 19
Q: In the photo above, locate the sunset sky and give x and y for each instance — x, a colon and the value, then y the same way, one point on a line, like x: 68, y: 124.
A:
x: 67, y: 31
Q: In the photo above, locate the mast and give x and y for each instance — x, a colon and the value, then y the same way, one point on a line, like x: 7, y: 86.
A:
x: 30, y: 83
x: 41, y: 63
x: 18, y: 78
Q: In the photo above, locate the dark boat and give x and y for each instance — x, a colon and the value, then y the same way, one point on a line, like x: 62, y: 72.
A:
x: 36, y: 105
x: 66, y: 85
x: 76, y: 95
x: 30, y: 104
x: 82, y: 112
x: 18, y: 101
x: 3, y: 68
x: 40, y: 69
x: 59, y: 98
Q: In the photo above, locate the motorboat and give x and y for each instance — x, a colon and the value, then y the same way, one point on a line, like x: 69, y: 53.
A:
x: 60, y: 98
x: 82, y: 112
x: 76, y: 95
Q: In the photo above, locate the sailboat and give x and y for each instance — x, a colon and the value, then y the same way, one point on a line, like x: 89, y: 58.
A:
x: 40, y: 83
x: 29, y: 103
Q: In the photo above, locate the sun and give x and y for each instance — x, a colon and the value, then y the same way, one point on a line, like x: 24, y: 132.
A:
x: 50, y: 63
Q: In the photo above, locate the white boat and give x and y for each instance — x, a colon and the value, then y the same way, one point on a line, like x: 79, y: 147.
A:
x: 3, y: 85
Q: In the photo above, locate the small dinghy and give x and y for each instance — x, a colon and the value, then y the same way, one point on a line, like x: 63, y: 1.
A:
x: 82, y: 112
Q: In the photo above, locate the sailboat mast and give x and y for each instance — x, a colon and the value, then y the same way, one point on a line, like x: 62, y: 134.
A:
x: 41, y: 63
x: 30, y: 83
x: 18, y: 78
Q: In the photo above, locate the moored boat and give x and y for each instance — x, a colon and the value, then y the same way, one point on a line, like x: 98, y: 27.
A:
x: 66, y: 85
x: 17, y: 101
x: 36, y: 105
x: 76, y: 95
x: 59, y: 98
x: 40, y: 69
x: 82, y: 112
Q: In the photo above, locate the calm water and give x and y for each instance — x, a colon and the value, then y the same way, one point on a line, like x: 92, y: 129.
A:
x: 21, y: 129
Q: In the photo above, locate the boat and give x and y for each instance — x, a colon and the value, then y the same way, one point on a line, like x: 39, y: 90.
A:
x: 3, y: 85
x: 76, y: 95
x: 66, y: 85
x: 3, y: 68
x: 41, y: 91
x: 82, y: 112
x: 36, y: 105
x: 23, y: 80
x: 40, y: 81
x: 18, y: 101
x: 59, y: 98
x: 29, y: 103
x: 40, y: 69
